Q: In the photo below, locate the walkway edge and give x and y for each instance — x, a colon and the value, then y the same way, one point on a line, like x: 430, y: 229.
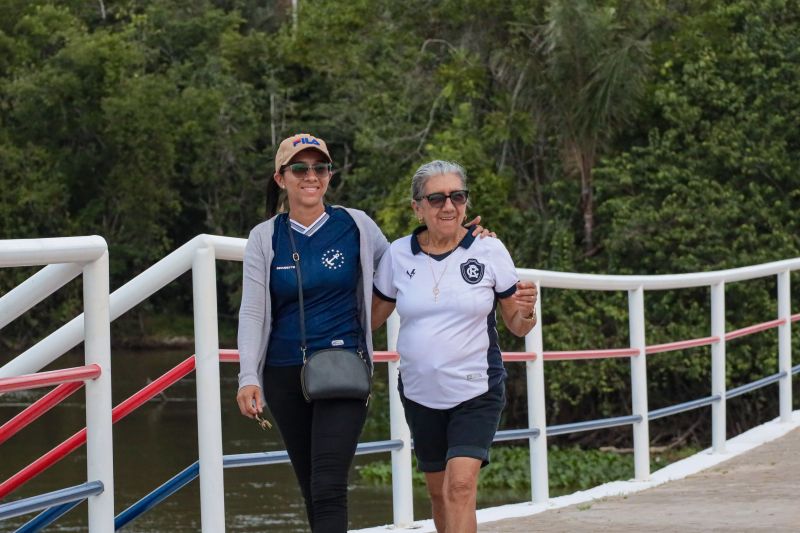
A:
x: 747, y: 441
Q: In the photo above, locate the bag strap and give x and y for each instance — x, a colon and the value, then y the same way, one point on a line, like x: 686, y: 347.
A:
x: 296, y: 259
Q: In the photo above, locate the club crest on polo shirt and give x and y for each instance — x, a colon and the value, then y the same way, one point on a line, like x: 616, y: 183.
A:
x: 472, y: 271
x: 332, y: 259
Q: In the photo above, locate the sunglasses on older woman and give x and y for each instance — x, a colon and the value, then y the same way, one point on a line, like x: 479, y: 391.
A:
x: 438, y: 199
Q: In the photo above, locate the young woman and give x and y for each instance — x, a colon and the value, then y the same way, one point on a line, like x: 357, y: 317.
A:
x: 446, y: 286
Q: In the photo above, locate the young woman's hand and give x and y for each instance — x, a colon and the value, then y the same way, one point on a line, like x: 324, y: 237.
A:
x: 249, y: 400
x: 479, y: 230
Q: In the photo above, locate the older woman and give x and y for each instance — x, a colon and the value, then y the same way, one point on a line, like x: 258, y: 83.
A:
x: 338, y: 250
x: 446, y: 285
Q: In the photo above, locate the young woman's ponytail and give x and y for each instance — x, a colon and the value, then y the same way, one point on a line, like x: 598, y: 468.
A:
x: 273, y: 198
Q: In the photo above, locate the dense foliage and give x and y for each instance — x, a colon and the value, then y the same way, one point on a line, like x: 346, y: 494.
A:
x: 612, y: 136
x: 569, y: 469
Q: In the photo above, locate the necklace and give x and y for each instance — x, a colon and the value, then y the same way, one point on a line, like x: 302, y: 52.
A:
x: 433, y: 273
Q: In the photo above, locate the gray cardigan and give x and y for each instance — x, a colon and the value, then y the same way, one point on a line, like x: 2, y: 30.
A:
x: 255, y: 313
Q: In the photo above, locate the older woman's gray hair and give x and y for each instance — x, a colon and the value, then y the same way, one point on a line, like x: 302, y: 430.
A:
x: 435, y: 168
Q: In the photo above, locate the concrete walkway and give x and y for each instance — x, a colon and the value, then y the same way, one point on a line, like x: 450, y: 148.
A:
x: 753, y: 486
x: 756, y: 491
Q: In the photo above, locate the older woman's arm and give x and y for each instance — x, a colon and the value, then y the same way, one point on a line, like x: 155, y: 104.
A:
x: 519, y: 309
x: 381, y: 309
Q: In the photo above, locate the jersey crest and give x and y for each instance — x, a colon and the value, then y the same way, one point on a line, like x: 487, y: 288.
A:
x: 332, y: 259
x: 472, y: 271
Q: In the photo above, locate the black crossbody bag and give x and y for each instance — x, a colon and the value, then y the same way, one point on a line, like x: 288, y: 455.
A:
x: 333, y: 372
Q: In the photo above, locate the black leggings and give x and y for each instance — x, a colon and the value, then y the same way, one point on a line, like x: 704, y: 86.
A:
x: 321, y: 439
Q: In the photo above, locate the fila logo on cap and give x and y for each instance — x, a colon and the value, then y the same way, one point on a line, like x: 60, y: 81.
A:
x: 305, y: 140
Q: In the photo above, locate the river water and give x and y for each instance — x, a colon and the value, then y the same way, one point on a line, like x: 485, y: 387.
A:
x: 159, y: 440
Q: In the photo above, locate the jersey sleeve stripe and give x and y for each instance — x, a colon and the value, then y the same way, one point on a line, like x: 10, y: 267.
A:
x: 382, y: 296
x: 508, y: 292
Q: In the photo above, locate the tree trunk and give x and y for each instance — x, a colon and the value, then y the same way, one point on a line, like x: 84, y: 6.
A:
x: 585, y: 159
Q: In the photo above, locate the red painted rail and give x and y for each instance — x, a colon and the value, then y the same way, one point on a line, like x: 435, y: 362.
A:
x: 519, y: 356
x: 228, y: 356
x: 45, y: 379
x: 42, y: 463
x: 576, y: 355
x: 385, y: 357
x: 681, y: 345
x: 390, y: 357
x: 37, y: 409
x: 79, y: 439
x: 150, y: 390
x: 590, y: 354
x: 749, y: 330
x: 231, y: 356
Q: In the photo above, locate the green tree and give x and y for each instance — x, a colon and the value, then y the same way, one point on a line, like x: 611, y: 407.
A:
x: 589, y: 65
x: 713, y: 185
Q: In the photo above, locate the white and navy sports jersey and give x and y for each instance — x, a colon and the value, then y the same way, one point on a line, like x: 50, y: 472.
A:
x: 448, y: 348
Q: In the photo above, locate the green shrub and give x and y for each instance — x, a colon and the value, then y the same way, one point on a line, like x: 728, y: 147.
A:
x: 570, y: 469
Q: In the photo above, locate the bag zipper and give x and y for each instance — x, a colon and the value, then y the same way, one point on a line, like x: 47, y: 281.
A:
x: 302, y: 376
x: 303, y: 384
x: 369, y: 376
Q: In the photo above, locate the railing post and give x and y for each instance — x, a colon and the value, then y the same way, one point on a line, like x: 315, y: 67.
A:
x: 99, y: 436
x: 785, y: 346
x: 641, y: 429
x: 718, y: 386
x: 209, y: 416
x: 534, y: 376
x: 402, y: 489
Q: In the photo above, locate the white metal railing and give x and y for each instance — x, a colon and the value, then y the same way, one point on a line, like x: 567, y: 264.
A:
x: 636, y: 287
x: 197, y: 255
x: 200, y: 254
x: 66, y: 258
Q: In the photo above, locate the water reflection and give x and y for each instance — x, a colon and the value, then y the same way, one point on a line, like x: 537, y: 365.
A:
x: 159, y: 440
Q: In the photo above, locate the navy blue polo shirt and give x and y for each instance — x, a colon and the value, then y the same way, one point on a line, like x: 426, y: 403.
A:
x: 329, y: 262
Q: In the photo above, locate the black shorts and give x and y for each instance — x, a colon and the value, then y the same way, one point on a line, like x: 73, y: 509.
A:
x: 466, y: 430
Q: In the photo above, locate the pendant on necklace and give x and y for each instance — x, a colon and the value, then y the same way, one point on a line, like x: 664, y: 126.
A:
x: 436, y: 294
